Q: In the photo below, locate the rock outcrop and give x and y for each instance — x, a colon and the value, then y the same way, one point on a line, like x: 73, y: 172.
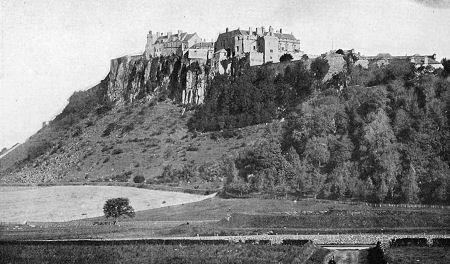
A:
x: 134, y: 77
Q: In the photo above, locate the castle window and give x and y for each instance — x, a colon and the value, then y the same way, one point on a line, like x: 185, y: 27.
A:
x: 271, y: 51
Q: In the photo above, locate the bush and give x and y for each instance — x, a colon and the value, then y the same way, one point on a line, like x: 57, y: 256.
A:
x: 319, y: 67
x: 229, y: 133
x: 117, y: 151
x: 77, y: 131
x: 124, y: 177
x: 127, y: 128
x: 192, y: 148
x: 109, y: 128
x: 139, y: 179
x: 286, y: 57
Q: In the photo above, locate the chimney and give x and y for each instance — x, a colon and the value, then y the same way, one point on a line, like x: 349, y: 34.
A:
x: 263, y: 30
x: 258, y: 31
x: 157, y: 35
x: 250, y: 32
x: 271, y: 30
x: 179, y: 32
x: 281, y: 31
x: 226, y: 30
x: 169, y: 34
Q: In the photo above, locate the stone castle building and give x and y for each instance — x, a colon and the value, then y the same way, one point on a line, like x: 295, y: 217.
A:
x: 169, y: 44
x: 260, y: 46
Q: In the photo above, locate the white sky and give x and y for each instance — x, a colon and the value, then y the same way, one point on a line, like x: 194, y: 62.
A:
x: 49, y: 49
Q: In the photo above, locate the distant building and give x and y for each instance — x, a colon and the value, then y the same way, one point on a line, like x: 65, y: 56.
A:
x: 386, y: 58
x: 268, y: 45
x: 169, y: 44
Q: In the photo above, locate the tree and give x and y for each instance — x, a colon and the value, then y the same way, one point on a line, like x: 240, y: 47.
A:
x: 319, y: 67
x: 286, y: 57
x: 117, y: 207
x: 446, y: 63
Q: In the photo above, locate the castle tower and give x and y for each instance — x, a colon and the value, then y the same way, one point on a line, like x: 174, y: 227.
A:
x: 149, y: 51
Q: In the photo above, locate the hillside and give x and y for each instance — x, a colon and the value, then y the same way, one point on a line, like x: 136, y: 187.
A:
x: 377, y: 134
x: 143, y: 138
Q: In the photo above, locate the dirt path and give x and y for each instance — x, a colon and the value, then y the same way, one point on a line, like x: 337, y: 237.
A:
x: 346, y: 257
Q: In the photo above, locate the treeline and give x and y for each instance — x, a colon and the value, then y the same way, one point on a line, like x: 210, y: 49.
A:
x: 251, y: 96
x: 379, y: 134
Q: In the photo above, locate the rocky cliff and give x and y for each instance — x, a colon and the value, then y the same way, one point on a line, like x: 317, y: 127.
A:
x: 134, y: 77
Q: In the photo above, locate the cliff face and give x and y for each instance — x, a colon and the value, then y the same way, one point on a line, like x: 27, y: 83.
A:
x: 134, y: 77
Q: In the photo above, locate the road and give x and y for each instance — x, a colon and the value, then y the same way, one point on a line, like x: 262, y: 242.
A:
x: 347, y: 257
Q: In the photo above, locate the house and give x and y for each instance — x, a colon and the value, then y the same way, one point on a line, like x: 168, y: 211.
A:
x: 169, y: 44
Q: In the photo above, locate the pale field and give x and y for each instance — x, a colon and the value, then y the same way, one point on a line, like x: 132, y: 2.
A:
x: 66, y: 203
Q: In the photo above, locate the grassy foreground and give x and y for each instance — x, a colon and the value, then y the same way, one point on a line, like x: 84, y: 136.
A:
x: 428, y: 255
x: 141, y: 253
x: 218, y: 216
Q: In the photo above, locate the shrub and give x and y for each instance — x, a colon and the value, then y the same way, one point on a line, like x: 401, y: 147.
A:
x: 192, y: 148
x: 77, y: 131
x: 109, y: 128
x: 286, y: 57
x: 139, y: 179
x: 106, y: 148
x: 89, y: 123
x: 117, y: 151
x: 124, y: 177
x: 229, y: 133
x: 127, y: 128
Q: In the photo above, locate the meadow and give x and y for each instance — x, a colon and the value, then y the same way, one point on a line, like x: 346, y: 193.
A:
x: 66, y: 203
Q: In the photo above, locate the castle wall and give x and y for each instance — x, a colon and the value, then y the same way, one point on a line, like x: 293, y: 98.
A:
x: 255, y: 58
x: 199, y: 54
x: 270, y: 49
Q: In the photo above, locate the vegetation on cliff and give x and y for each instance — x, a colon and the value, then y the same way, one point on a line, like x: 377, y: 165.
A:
x: 381, y: 135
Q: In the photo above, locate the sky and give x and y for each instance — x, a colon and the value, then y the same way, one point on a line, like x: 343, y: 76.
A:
x: 51, y: 48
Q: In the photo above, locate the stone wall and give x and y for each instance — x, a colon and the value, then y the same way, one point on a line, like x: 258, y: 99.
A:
x: 255, y: 58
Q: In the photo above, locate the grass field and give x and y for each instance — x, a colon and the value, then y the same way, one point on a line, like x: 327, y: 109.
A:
x: 217, y: 216
x: 428, y: 255
x: 144, y: 253
x: 65, y: 203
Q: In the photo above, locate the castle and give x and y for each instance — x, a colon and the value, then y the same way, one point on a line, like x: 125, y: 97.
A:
x: 258, y: 46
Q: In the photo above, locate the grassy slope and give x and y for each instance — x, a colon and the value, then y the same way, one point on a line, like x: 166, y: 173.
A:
x: 158, y: 137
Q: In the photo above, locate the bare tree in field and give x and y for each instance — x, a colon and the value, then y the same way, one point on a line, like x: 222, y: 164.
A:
x: 117, y: 207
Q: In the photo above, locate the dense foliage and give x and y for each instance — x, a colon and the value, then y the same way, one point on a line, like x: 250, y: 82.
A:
x: 382, y: 137
x: 253, y: 96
